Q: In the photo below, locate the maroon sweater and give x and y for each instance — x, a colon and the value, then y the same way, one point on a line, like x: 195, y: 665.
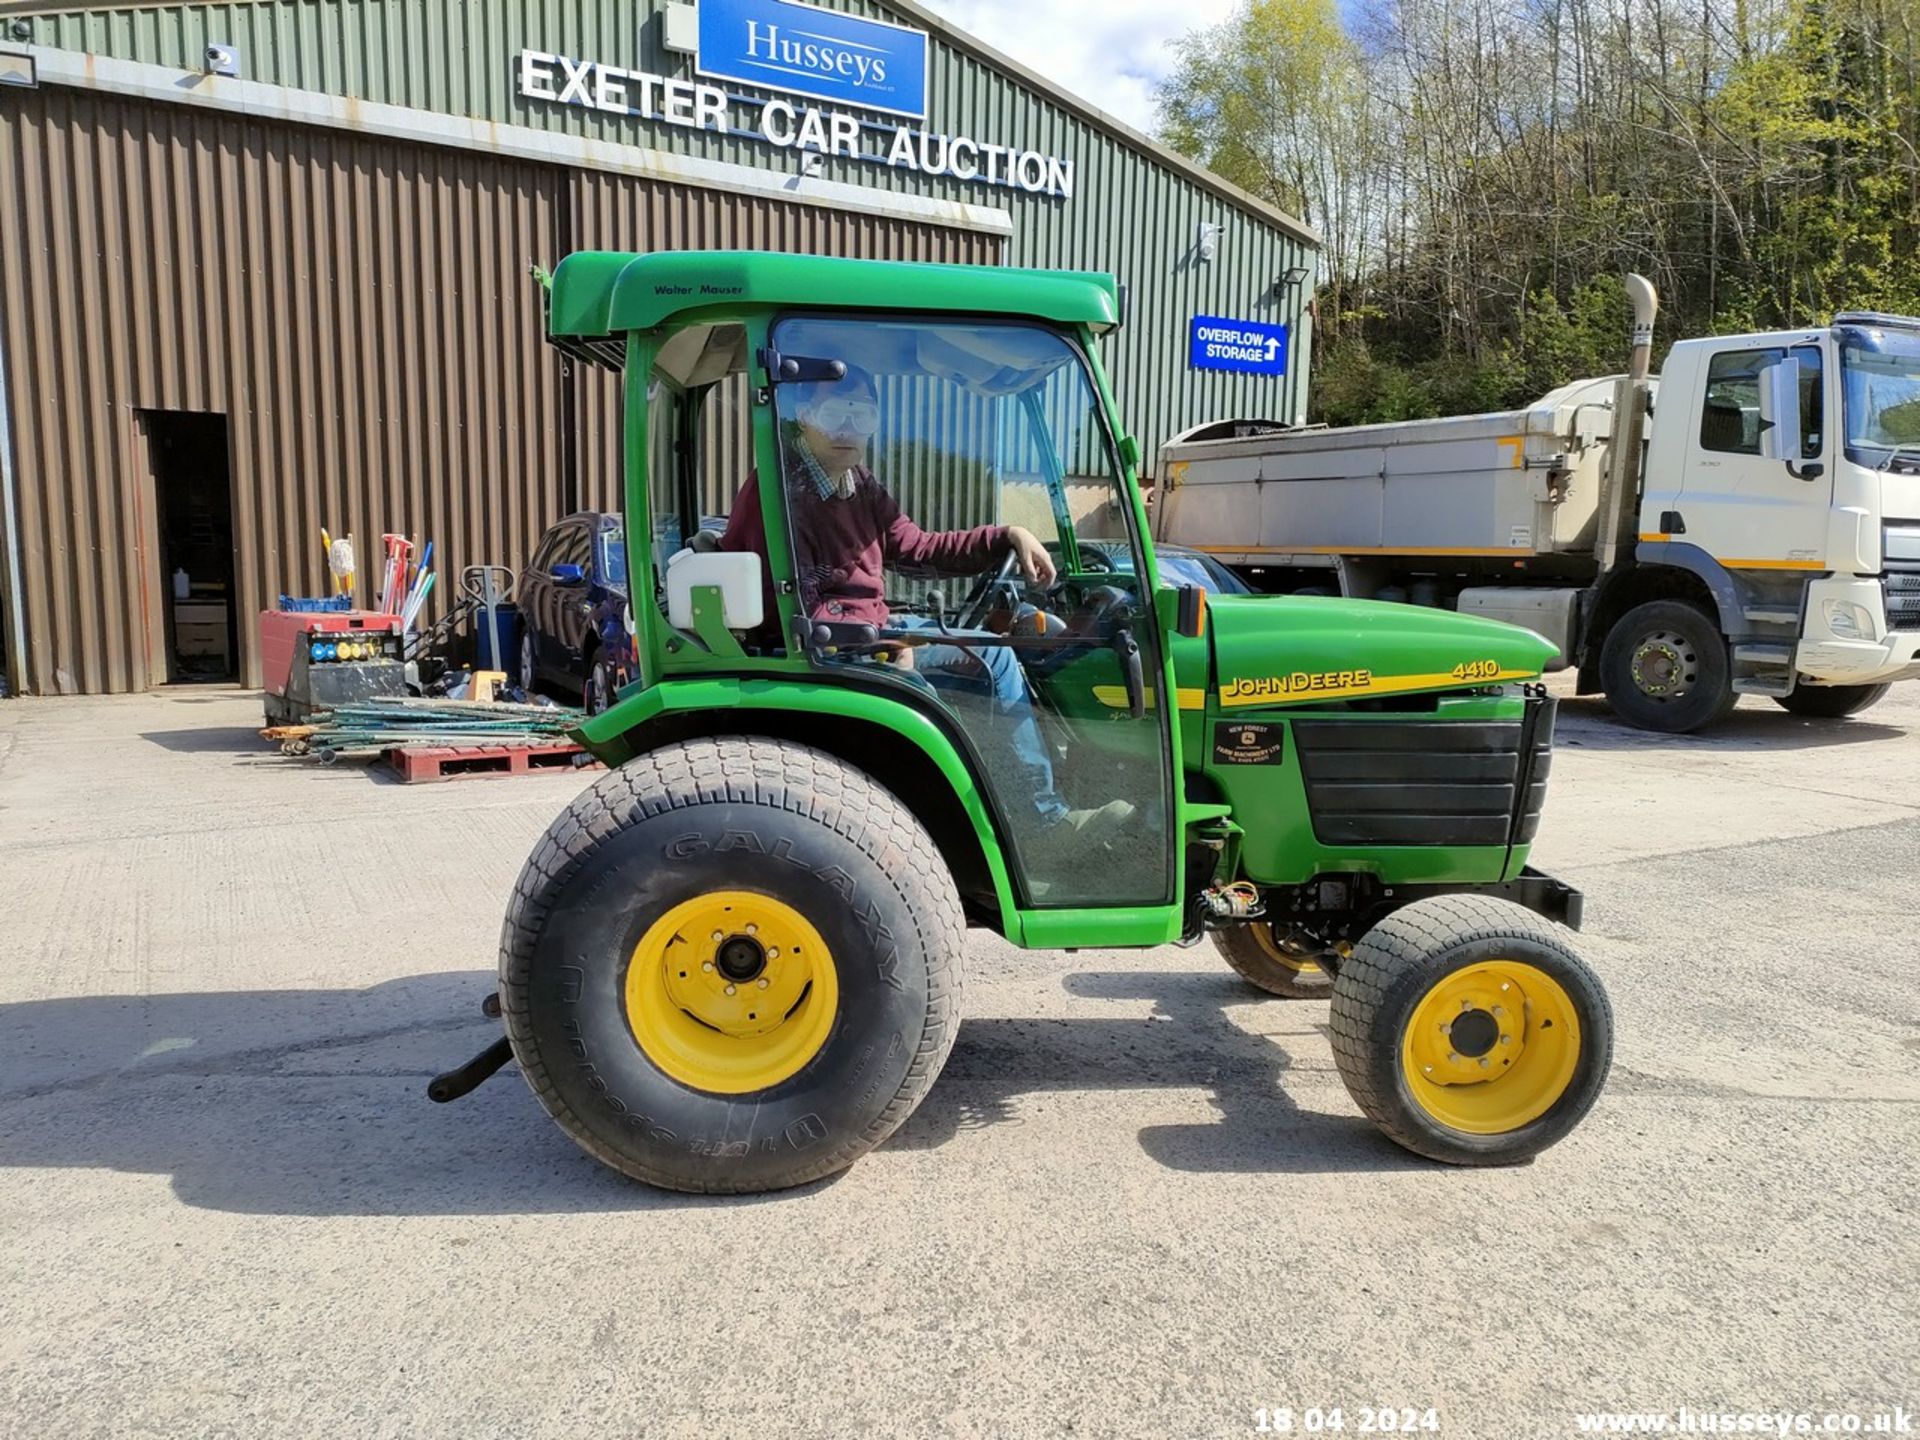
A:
x: 843, y: 546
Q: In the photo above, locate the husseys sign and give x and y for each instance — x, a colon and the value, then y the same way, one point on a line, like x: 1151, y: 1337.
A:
x: 806, y: 51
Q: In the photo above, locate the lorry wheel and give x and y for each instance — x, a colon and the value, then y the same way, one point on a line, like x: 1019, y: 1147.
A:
x: 1468, y: 1030
x: 1262, y: 957
x: 1831, y: 702
x: 1665, y: 667
x: 732, y: 965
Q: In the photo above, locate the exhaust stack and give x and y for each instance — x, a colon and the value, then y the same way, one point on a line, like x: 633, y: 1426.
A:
x: 1620, y: 499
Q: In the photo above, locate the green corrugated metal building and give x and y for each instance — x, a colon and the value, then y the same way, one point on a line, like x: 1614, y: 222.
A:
x: 214, y: 211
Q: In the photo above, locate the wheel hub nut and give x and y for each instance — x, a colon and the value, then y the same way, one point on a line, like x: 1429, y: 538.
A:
x: 1474, y: 1032
x: 741, y: 958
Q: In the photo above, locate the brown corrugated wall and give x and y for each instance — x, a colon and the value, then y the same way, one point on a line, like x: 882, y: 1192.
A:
x: 359, y: 309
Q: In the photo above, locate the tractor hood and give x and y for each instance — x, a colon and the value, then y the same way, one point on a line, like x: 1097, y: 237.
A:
x: 1289, y: 650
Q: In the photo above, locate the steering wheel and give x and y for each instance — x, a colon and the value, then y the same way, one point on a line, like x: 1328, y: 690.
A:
x: 973, y: 610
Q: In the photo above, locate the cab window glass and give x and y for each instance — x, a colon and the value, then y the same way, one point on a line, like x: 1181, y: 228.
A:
x: 699, y: 436
x: 937, y: 478
x: 1730, y: 417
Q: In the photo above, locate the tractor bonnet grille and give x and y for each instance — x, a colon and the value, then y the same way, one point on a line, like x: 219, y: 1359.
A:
x: 1435, y: 782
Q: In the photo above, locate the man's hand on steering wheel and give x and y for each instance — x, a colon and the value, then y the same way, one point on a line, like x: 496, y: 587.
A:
x: 1035, y: 563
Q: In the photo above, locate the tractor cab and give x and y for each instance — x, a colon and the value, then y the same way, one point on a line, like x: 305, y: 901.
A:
x: 960, y: 424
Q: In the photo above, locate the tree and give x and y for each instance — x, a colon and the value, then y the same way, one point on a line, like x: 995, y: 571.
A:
x: 1484, y: 170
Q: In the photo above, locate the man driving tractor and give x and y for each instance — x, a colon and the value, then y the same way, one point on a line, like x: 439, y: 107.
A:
x: 847, y: 530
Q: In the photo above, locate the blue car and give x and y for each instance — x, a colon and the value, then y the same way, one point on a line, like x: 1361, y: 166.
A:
x: 572, y: 598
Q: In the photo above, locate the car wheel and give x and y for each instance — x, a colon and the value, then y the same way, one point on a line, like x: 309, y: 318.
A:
x: 529, y: 673
x: 597, y: 694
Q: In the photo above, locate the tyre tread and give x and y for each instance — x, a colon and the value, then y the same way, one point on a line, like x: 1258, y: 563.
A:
x: 756, y: 771
x: 1395, y: 949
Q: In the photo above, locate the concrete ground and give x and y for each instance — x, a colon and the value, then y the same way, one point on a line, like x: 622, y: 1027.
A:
x: 1138, y: 1202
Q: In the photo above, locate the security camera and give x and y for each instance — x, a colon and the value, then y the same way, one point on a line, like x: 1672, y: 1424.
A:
x: 223, y: 60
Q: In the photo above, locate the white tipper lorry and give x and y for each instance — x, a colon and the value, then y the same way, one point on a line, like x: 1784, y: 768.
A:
x: 1747, y: 523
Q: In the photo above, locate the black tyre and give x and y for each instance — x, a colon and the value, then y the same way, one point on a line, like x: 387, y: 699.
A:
x: 1831, y: 702
x: 1265, y: 958
x: 732, y: 965
x: 529, y: 669
x: 1665, y: 667
x: 597, y: 694
x: 1432, y: 1045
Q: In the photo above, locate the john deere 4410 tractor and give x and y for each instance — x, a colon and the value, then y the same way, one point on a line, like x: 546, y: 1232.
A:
x: 907, y: 664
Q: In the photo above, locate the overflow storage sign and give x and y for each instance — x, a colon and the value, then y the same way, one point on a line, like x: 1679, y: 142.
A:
x: 1247, y: 346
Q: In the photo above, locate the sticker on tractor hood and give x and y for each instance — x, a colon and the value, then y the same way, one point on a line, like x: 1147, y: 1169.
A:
x: 1249, y: 742
x: 1336, y: 684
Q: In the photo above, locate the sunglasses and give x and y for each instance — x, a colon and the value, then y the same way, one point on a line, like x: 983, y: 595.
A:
x: 840, y: 417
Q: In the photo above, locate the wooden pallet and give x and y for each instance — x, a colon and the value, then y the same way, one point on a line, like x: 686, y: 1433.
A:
x: 416, y: 764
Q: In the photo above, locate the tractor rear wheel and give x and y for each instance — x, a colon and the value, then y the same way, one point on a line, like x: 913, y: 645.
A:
x: 1263, y: 957
x: 1468, y: 1029
x: 732, y: 965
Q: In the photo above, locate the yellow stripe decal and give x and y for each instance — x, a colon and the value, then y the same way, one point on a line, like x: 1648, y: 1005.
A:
x: 1293, y: 689
x: 1115, y: 696
x: 1743, y: 564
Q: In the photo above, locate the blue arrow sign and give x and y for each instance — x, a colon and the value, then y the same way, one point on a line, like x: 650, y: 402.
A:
x: 1247, y: 346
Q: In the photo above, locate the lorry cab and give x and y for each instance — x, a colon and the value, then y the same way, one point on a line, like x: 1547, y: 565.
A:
x: 1789, y: 464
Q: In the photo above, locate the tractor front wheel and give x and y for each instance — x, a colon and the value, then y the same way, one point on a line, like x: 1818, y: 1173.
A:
x: 732, y: 965
x: 1469, y: 1031
x: 1265, y: 956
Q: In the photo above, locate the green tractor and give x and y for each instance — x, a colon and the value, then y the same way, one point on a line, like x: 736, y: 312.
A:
x: 907, y: 663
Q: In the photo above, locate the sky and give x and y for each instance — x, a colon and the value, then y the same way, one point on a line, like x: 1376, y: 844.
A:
x: 1111, y: 53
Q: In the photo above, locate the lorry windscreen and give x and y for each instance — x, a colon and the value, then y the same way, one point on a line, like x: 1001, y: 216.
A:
x: 1880, y: 383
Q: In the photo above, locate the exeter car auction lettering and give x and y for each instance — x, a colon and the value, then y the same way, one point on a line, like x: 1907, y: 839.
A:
x: 699, y: 106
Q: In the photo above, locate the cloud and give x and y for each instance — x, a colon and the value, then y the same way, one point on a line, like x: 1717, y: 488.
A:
x: 1111, y: 53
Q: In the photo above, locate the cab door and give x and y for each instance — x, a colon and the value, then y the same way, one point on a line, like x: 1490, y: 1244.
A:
x: 907, y: 450
x: 1744, y: 509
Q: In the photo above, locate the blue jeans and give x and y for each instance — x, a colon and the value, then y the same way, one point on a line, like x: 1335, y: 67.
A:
x: 959, y: 671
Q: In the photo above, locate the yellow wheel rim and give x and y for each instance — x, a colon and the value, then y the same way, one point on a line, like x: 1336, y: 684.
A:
x: 1491, y: 1047
x: 731, y: 992
x: 1274, y: 951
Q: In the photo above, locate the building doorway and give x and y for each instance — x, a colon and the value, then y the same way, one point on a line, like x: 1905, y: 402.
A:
x: 193, y: 505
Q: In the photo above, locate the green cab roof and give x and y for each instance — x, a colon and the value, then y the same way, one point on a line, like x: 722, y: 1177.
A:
x: 605, y: 293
